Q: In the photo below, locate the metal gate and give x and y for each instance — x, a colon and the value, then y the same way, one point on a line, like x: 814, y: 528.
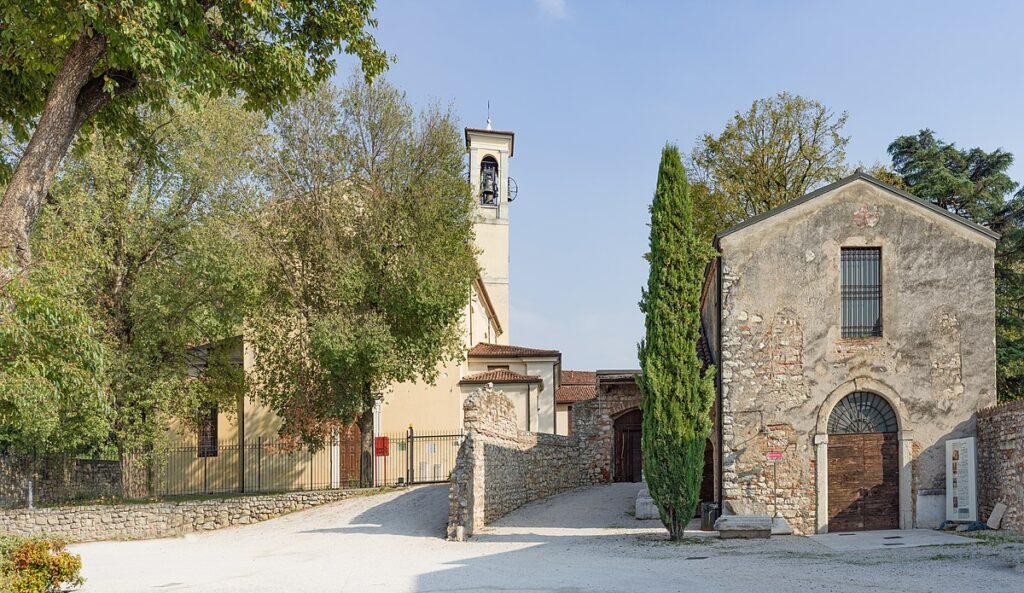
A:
x: 417, y: 457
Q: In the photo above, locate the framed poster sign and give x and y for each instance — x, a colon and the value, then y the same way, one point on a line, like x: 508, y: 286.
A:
x: 961, y: 480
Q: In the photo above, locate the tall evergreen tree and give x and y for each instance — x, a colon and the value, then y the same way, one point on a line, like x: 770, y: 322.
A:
x: 676, y: 395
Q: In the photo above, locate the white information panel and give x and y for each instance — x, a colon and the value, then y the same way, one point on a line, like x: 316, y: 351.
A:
x: 961, y: 480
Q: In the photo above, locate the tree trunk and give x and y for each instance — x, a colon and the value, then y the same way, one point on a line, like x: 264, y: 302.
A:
x: 134, y: 475
x: 366, y: 460
x: 74, y: 97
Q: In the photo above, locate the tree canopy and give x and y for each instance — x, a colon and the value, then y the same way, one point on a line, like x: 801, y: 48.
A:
x: 139, y: 262
x: 68, y: 64
x: 369, y: 243
x: 778, y: 150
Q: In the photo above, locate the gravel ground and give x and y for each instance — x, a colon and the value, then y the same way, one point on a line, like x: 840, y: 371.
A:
x: 585, y: 540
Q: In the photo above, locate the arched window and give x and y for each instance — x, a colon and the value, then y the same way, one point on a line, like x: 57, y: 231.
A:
x: 489, y: 181
x: 860, y: 412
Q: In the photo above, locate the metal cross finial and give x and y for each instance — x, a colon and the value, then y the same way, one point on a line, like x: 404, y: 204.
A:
x: 489, y: 115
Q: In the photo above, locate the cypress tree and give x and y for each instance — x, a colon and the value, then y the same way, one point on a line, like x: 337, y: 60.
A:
x: 676, y: 395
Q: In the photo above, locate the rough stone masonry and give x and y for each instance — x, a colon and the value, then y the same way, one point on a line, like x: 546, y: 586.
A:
x: 163, y: 519
x: 1001, y: 462
x: 500, y: 468
x: 785, y: 365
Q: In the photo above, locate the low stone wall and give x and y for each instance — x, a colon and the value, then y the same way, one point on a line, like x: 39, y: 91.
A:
x: 165, y: 519
x: 499, y: 468
x: 1001, y: 462
x: 56, y: 479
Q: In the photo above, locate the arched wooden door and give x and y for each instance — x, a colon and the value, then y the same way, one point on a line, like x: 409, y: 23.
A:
x: 629, y: 460
x: 863, y: 464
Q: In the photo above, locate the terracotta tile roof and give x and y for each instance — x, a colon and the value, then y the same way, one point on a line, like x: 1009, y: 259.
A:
x: 567, y: 394
x: 483, y: 350
x: 578, y: 377
x: 499, y: 376
x: 576, y: 386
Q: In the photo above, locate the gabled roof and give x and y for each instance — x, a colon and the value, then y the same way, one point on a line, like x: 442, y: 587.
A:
x: 576, y: 386
x: 499, y: 376
x: 484, y: 350
x: 859, y: 175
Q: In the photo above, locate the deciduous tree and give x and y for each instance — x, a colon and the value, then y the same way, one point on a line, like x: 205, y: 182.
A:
x: 777, y: 151
x: 369, y: 238
x: 676, y: 395
x: 139, y: 261
x: 66, y: 64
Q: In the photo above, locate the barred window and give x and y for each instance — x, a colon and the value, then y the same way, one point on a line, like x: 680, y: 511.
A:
x: 861, y: 292
x: 208, y: 434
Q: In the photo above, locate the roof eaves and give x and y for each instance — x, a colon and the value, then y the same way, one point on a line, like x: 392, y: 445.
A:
x: 844, y: 181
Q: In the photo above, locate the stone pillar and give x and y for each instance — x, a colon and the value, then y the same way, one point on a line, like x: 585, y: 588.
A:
x: 821, y: 482
x: 906, y: 479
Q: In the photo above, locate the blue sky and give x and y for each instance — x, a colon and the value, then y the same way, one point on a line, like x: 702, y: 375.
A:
x: 594, y: 89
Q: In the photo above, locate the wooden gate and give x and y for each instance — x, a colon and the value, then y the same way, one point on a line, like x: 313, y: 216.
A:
x: 628, y: 455
x: 863, y: 481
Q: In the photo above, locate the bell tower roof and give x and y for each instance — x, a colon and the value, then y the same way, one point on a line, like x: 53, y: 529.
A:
x: 485, y: 132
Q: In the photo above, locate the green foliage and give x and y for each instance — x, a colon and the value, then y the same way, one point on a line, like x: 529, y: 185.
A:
x: 53, y: 363
x: 780, y: 149
x: 265, y: 50
x: 369, y: 244
x: 676, y: 395
x: 974, y: 183
x: 37, y: 565
x: 139, y: 262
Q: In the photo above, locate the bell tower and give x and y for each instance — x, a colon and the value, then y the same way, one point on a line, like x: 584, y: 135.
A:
x: 493, y: 190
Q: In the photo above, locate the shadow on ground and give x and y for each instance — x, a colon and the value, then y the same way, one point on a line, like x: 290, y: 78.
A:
x: 418, y: 512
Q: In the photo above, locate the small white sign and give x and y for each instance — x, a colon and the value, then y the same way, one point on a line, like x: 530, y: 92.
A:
x: 961, y: 480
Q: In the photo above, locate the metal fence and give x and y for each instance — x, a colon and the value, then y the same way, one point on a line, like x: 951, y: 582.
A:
x: 257, y: 466
x: 261, y: 465
x: 416, y: 457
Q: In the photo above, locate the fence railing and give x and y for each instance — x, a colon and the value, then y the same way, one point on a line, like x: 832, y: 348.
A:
x: 416, y: 457
x: 258, y: 466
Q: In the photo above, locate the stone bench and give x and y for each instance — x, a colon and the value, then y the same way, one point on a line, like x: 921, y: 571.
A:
x: 744, y: 526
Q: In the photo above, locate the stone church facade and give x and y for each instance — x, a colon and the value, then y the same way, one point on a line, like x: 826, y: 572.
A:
x: 853, y: 333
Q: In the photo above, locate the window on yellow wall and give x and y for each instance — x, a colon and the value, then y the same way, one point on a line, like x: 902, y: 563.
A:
x: 208, y: 434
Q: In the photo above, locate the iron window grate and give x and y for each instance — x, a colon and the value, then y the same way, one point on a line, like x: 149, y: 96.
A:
x: 861, y: 281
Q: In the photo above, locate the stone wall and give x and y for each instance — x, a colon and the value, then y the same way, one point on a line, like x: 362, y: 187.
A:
x: 1001, y: 462
x: 56, y: 479
x: 165, y: 519
x: 500, y: 468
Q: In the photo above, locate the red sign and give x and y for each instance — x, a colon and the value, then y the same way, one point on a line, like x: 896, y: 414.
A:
x: 381, y: 446
x: 775, y: 455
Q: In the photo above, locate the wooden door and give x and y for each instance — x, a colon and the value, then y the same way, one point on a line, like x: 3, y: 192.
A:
x: 628, y: 453
x: 863, y: 481
x: 350, y: 454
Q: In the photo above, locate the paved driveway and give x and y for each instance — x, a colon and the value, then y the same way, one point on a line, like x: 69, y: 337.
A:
x: 581, y: 541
